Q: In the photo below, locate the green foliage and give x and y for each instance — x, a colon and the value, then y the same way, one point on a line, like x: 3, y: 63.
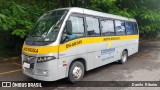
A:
x: 15, y: 22
x: 147, y: 13
x: 18, y: 16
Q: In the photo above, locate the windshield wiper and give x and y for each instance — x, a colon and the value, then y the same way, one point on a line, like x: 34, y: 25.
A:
x: 39, y: 37
x: 30, y: 39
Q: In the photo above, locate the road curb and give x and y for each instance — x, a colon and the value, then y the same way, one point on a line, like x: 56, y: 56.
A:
x: 10, y: 60
x: 151, y: 43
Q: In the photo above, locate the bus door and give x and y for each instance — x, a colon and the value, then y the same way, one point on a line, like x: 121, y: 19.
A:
x: 93, y: 35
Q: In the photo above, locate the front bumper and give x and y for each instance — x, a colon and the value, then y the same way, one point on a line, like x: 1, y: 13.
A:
x: 45, y: 71
x: 42, y: 78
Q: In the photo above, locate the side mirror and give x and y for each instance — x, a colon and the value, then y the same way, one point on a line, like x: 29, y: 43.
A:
x: 68, y: 27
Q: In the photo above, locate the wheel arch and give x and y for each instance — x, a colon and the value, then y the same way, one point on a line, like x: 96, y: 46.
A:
x: 126, y: 51
x: 81, y: 60
x: 77, y: 59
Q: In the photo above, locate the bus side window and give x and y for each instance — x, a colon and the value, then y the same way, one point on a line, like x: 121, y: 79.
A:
x: 107, y: 27
x: 129, y: 28
x: 135, y: 28
x: 119, y: 27
x: 93, y: 26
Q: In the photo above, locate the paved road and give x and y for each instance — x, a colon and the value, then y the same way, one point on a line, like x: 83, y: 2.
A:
x: 143, y: 66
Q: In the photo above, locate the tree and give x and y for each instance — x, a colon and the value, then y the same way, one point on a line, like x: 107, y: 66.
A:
x: 18, y: 16
x: 146, y: 12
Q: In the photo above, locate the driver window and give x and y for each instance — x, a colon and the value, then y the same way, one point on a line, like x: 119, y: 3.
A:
x: 77, y: 28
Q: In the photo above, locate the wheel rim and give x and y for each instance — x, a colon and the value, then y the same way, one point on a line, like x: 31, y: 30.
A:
x: 77, y: 72
x: 124, y: 57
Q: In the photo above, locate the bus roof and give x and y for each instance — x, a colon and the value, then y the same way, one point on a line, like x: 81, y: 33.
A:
x: 96, y: 13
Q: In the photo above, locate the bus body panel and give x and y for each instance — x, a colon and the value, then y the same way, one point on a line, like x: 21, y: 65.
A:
x: 95, y: 54
x: 96, y: 51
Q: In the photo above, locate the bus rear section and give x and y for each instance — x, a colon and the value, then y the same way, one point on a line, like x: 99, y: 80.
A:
x: 76, y: 40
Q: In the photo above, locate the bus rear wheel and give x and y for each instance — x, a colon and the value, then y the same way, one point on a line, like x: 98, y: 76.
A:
x: 124, y: 57
x: 76, y: 71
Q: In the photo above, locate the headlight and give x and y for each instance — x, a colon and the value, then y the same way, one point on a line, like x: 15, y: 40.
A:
x: 44, y: 59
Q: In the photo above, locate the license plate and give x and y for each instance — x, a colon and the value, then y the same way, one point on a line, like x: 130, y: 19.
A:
x: 26, y: 65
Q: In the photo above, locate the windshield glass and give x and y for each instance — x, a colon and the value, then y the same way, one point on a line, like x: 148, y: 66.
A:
x: 47, y: 27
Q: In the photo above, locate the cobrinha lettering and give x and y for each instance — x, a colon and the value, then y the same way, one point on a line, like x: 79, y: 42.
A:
x: 73, y: 44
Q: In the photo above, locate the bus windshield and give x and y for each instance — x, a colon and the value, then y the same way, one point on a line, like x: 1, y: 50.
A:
x: 47, y: 27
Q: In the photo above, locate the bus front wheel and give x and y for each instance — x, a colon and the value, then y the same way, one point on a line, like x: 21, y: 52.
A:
x: 124, y: 57
x: 76, y: 71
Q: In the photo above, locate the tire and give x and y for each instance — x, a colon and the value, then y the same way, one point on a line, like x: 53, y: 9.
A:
x: 76, y: 72
x: 124, y: 57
